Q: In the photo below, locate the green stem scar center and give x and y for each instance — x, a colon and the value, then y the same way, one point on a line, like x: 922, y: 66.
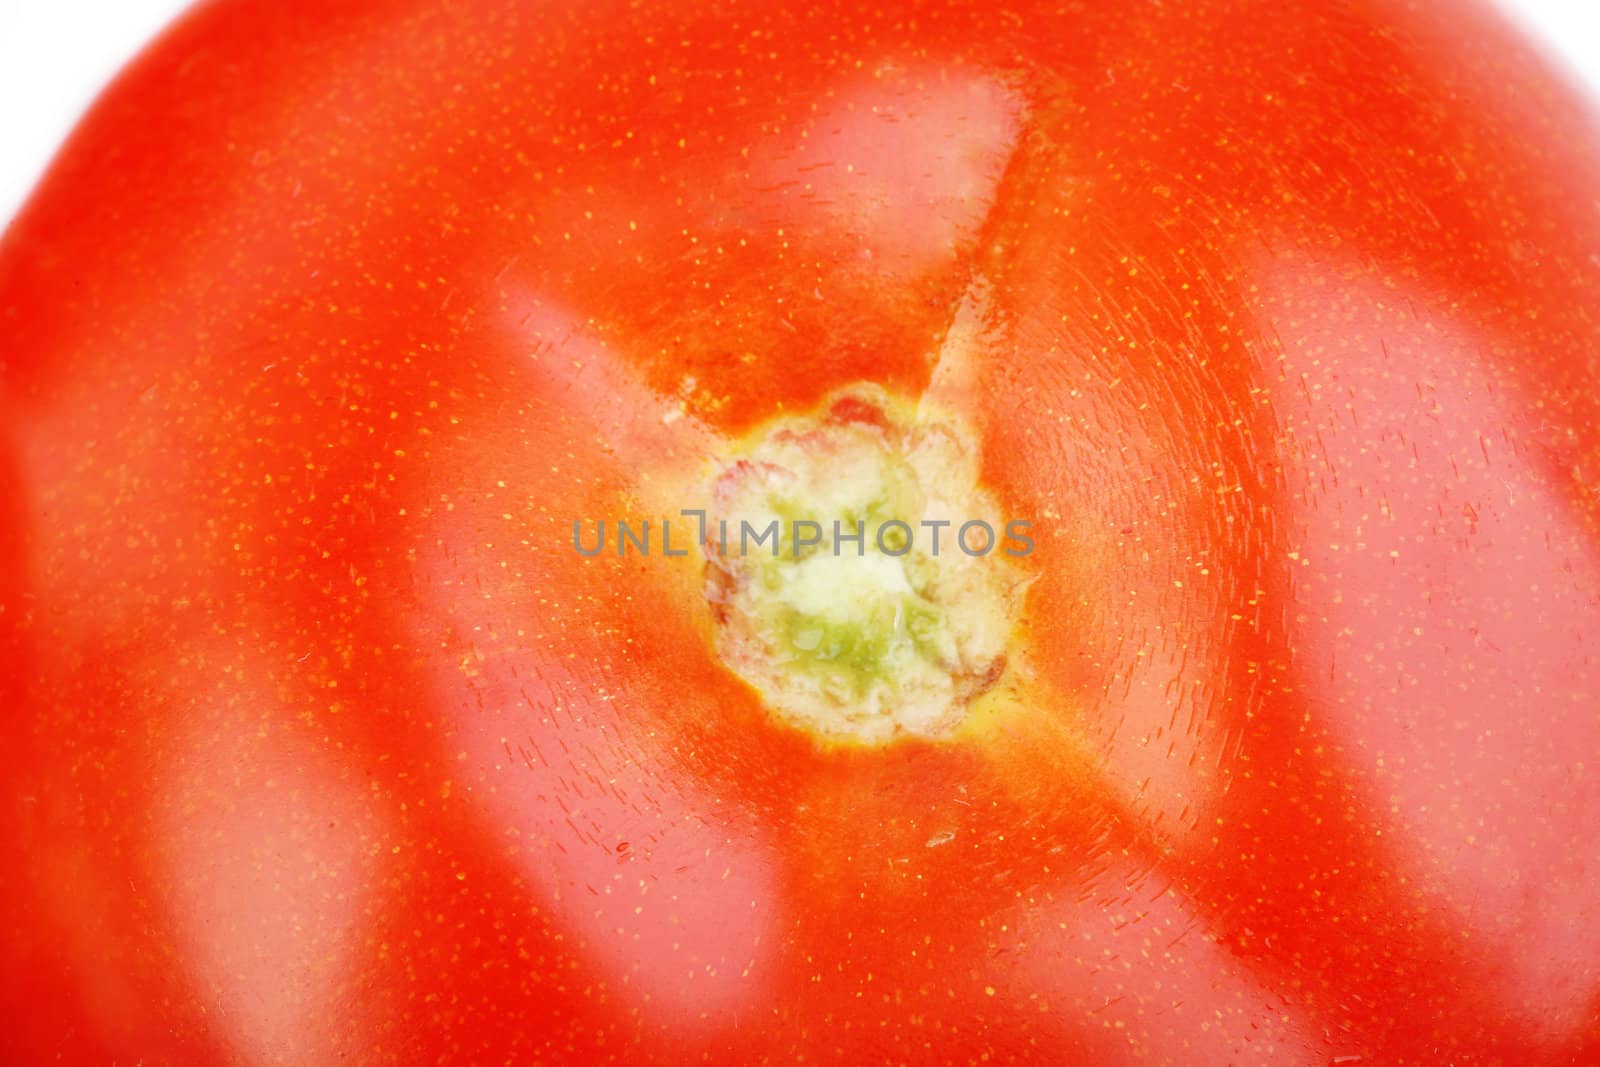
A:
x: 872, y: 613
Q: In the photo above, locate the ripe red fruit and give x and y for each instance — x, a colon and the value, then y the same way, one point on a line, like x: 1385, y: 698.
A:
x: 1277, y: 322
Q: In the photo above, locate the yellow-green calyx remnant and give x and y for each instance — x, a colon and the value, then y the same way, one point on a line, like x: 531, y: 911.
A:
x: 841, y: 584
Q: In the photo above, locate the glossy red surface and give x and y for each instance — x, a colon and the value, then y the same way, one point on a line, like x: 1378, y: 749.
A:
x: 1279, y: 320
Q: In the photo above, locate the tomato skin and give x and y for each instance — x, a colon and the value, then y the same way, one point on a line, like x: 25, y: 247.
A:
x: 324, y: 747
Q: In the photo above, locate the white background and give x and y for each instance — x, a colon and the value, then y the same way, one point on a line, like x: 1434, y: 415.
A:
x: 56, y: 54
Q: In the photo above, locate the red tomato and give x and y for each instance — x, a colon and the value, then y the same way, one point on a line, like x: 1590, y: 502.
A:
x: 1277, y: 321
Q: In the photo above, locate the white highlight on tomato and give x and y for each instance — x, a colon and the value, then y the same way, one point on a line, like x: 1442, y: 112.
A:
x: 272, y: 850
